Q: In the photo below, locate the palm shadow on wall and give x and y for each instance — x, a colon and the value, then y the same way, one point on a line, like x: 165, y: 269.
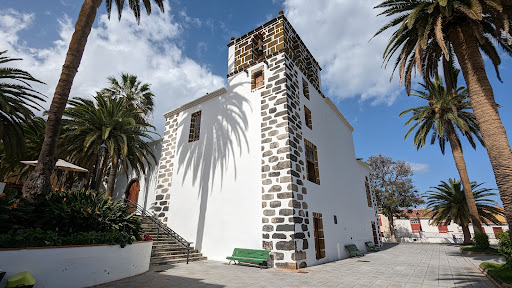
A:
x: 223, y: 139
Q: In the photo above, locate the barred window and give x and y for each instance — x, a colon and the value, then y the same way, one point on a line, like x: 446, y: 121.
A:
x: 195, y: 127
x: 307, y: 115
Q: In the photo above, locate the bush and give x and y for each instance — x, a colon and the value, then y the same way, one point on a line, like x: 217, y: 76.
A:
x: 35, y: 237
x: 481, y: 240
x: 82, y: 211
x: 14, y: 212
x: 505, y: 246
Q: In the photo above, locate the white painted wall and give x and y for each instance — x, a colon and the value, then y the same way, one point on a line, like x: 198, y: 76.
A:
x: 341, y: 191
x: 147, y: 181
x: 77, y: 266
x: 216, y: 186
x: 430, y: 233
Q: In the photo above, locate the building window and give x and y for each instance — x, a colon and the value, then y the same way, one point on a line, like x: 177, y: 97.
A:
x: 319, y: 235
x: 305, y: 88
x: 257, y: 79
x: 368, y: 193
x: 335, y: 219
x: 195, y: 127
x: 312, y: 162
x: 415, y: 225
x: 443, y: 228
x: 307, y: 114
x: 497, y: 231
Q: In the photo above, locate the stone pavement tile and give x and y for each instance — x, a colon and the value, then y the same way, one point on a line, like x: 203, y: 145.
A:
x: 381, y: 284
x: 412, y: 285
x: 397, y: 285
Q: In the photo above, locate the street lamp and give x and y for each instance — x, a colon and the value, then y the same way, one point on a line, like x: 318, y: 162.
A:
x: 101, y: 154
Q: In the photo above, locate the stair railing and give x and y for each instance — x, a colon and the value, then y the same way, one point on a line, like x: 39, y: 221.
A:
x: 161, y: 226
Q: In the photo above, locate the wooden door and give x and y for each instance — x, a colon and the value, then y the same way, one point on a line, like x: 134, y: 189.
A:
x: 375, y: 235
x: 497, y: 231
x: 133, y: 193
x: 319, y: 235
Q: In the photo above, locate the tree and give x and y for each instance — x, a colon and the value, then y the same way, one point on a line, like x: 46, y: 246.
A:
x: 447, y: 111
x: 393, y: 187
x: 448, y: 203
x: 138, y: 95
x: 38, y: 183
x: 434, y: 30
x: 17, y: 100
x: 107, y: 120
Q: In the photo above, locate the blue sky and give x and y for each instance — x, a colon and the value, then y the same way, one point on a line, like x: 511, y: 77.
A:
x: 183, y: 54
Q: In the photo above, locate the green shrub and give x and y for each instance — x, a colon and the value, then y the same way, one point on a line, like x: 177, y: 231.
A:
x: 35, y: 237
x: 68, y: 213
x: 481, y: 240
x: 15, y: 213
x: 505, y: 246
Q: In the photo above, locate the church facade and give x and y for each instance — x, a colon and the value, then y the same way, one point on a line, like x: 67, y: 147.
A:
x: 267, y: 162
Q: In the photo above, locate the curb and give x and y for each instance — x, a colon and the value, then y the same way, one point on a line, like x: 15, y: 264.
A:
x: 478, y: 253
x: 495, y: 281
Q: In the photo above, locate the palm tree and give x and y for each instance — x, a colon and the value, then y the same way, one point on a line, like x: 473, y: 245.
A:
x: 448, y: 203
x: 445, y: 112
x: 430, y: 30
x: 107, y: 120
x: 38, y: 183
x: 17, y: 99
x: 138, y: 95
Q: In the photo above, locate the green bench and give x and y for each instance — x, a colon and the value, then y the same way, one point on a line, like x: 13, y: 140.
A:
x: 371, y: 246
x: 252, y: 256
x: 353, y: 251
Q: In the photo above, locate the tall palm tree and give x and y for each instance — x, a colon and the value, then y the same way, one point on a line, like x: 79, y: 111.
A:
x: 448, y: 203
x: 17, y: 100
x: 446, y: 111
x: 138, y: 95
x: 38, y: 183
x: 107, y: 120
x: 430, y: 30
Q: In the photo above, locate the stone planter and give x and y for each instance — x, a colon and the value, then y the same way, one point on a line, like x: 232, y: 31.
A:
x: 77, y: 266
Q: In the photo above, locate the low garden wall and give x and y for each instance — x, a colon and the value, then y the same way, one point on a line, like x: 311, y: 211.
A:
x: 76, y: 266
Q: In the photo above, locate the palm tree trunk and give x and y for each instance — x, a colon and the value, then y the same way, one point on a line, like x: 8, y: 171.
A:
x: 391, y: 228
x: 467, y: 234
x: 468, y: 54
x: 38, y: 183
x: 112, y: 178
x: 463, y: 173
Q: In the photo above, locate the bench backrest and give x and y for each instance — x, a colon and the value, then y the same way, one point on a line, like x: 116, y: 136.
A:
x: 251, y: 253
x: 351, y: 247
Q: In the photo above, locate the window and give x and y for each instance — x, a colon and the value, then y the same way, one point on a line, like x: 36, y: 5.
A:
x: 415, y: 225
x: 257, y: 78
x: 443, y: 228
x: 335, y: 219
x: 312, y: 162
x: 305, y: 88
x: 319, y: 235
x: 497, y: 231
x: 307, y: 114
x: 195, y: 126
x: 368, y: 193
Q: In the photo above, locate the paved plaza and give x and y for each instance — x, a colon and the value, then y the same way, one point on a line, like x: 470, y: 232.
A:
x: 402, y: 265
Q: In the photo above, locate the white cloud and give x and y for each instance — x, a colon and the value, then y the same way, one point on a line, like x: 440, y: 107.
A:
x: 149, y: 51
x: 419, y: 167
x: 337, y: 33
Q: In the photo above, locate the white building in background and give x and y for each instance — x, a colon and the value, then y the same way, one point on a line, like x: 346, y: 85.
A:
x: 416, y: 226
x: 266, y: 163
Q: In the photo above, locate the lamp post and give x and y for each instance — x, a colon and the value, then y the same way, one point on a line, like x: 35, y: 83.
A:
x: 101, y: 154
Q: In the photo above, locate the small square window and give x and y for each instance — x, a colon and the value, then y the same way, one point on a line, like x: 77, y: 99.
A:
x: 335, y: 219
x: 305, y: 88
x: 258, y: 79
x: 307, y: 114
x: 195, y: 127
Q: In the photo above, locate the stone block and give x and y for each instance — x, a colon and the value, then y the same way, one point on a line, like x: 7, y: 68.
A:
x: 285, y: 245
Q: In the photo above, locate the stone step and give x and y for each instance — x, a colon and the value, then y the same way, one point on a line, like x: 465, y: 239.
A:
x: 172, y: 252
x: 173, y: 261
x: 168, y: 246
x: 175, y: 256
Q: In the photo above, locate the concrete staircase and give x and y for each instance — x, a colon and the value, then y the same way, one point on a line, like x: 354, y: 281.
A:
x: 166, y: 250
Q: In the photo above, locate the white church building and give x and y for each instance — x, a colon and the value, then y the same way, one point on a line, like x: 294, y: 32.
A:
x: 267, y: 162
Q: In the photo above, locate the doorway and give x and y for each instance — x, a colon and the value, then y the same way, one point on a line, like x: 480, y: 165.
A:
x: 133, y: 191
x: 319, y: 235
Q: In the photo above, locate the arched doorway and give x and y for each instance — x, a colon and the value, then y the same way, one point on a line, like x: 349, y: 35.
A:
x: 132, y: 190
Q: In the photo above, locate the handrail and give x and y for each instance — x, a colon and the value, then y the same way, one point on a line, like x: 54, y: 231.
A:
x: 168, y: 231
